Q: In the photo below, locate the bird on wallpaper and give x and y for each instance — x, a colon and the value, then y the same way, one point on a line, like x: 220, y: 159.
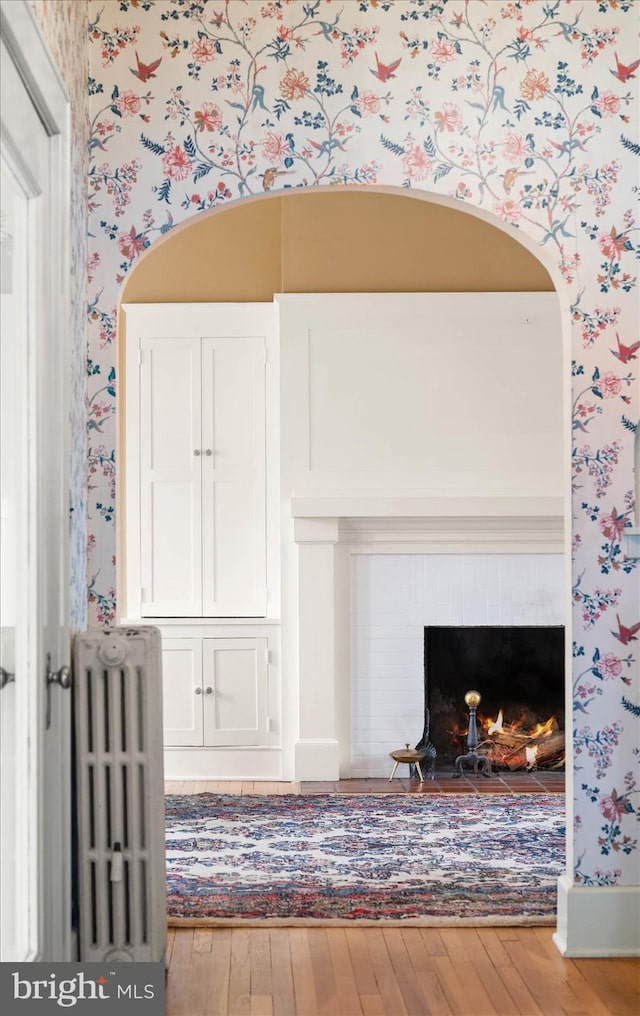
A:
x: 625, y: 71
x: 327, y: 146
x: 624, y: 634
x: 625, y: 353
x: 510, y: 177
x: 270, y: 176
x: 385, y: 71
x: 145, y: 71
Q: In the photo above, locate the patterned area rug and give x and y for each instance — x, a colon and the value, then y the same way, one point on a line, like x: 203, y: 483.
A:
x: 449, y: 859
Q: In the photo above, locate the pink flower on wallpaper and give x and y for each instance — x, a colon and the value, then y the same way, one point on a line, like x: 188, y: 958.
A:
x: 285, y: 33
x: 416, y: 163
x: 516, y: 148
x: 509, y: 210
x: 203, y: 50
x: 131, y: 243
x: 612, y: 525
x: 612, y: 806
x: 367, y: 104
x: 609, y: 665
x: 275, y: 147
x: 613, y: 244
x: 443, y: 51
x: 608, y: 385
x: 294, y: 85
x: 449, y: 118
x: 209, y: 118
x: 534, y: 85
x: 176, y: 163
x: 128, y: 103
x: 607, y: 104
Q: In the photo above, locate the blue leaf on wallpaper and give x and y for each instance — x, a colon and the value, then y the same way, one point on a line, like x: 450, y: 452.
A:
x: 201, y: 170
x: 152, y: 146
x: 631, y: 146
x: 528, y: 162
x: 429, y: 146
x: 189, y: 146
x: 288, y: 162
x: 441, y: 171
x: 164, y: 190
x: 631, y: 707
x: 629, y: 424
x: 391, y: 146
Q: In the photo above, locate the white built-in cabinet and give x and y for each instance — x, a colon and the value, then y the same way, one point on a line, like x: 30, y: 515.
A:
x: 196, y: 461
x: 215, y: 692
x: 200, y: 439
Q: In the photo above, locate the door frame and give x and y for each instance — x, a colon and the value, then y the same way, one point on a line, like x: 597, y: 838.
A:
x: 49, y: 933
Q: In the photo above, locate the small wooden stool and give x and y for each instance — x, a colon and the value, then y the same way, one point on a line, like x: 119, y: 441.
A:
x: 410, y: 757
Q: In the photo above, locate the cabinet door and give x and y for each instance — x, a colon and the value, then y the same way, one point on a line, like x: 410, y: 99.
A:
x: 235, y: 691
x: 170, y: 478
x: 182, y: 692
x: 233, y: 477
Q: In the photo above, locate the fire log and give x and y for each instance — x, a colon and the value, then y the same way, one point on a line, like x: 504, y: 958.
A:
x: 547, y: 749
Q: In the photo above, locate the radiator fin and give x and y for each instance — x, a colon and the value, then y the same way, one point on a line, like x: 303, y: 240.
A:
x: 120, y: 794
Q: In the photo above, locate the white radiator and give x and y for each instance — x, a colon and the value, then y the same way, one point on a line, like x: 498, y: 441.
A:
x: 120, y: 794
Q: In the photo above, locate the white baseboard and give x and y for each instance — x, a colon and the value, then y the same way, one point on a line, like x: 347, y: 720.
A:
x: 598, y: 920
x: 222, y: 764
x: 317, y: 759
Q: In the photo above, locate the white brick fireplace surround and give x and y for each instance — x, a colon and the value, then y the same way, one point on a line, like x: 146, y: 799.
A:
x: 366, y: 587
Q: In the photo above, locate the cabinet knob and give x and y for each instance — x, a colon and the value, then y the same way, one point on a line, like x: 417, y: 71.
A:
x: 198, y: 691
x: 209, y: 690
x: 196, y: 452
x: 209, y: 451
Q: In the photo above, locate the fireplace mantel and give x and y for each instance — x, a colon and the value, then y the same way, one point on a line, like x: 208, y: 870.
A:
x: 327, y: 529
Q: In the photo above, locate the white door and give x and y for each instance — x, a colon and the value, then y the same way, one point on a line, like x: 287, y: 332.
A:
x: 234, y: 679
x: 182, y: 692
x: 233, y: 477
x: 35, y: 756
x: 170, y: 478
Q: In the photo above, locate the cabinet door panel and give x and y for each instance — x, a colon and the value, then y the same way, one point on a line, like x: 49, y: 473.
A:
x: 235, y: 711
x: 182, y: 692
x: 233, y: 477
x: 170, y: 477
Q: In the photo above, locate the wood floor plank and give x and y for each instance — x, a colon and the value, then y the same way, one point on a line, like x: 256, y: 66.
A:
x: 372, y: 1005
x: 202, y: 940
x: 303, y: 983
x: 414, y: 1000
x: 217, y: 998
x: 240, y: 973
x: 615, y: 981
x: 281, y: 973
x: 361, y: 962
x: 493, y: 984
x: 260, y: 953
x: 178, y: 976
x: 343, y: 972
x: 388, y: 987
x: 261, y: 1005
x: 323, y: 975
x: 435, y: 999
x: 456, y: 944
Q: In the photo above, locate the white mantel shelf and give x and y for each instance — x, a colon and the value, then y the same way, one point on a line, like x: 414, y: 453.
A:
x: 363, y: 505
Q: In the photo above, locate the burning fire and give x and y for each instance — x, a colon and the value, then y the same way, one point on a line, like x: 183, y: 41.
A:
x: 495, y: 725
x: 521, y: 747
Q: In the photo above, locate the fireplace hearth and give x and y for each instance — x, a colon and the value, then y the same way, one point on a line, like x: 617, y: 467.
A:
x: 519, y: 673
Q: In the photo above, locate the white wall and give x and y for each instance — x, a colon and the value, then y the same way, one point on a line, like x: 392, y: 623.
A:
x: 454, y: 394
x: 394, y: 596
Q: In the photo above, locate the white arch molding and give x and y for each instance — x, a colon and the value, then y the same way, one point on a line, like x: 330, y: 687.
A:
x: 591, y: 921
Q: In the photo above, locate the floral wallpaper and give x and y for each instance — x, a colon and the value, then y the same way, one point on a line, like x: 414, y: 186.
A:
x: 64, y: 26
x: 527, y: 109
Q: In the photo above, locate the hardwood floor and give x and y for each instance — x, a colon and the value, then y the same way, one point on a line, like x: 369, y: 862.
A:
x: 389, y: 971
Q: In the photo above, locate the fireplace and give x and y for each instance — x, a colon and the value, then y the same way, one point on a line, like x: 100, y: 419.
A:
x: 519, y: 673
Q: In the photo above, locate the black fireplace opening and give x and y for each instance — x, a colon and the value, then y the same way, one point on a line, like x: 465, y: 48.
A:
x: 519, y: 673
